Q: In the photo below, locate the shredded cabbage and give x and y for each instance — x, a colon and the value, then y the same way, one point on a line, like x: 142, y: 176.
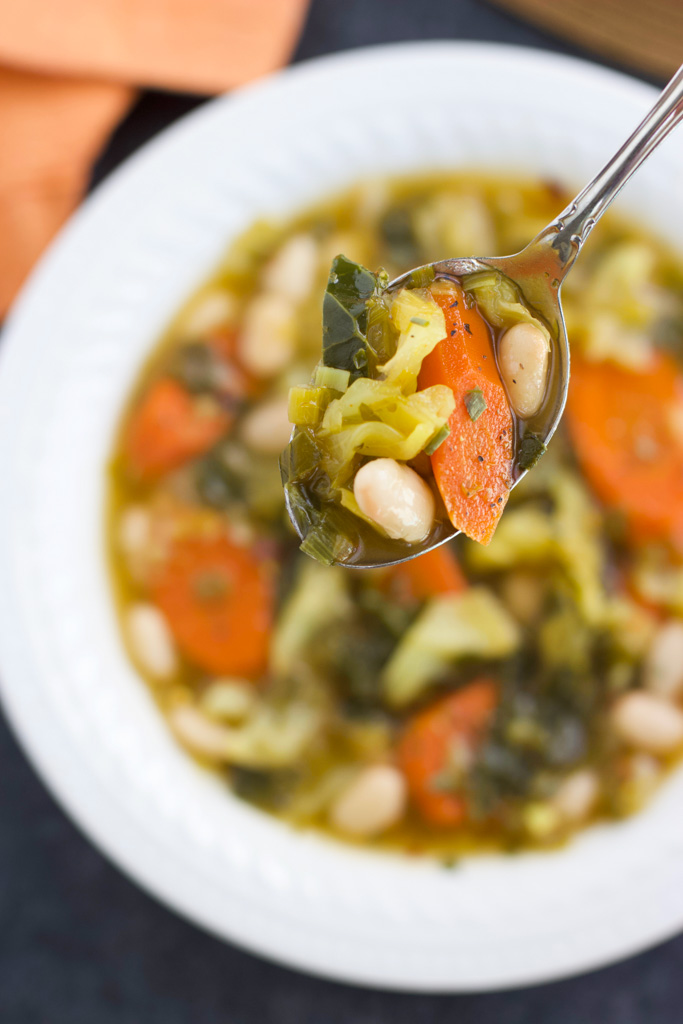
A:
x: 421, y: 325
x: 319, y: 598
x: 374, y: 418
x: 448, y: 629
x: 568, y: 536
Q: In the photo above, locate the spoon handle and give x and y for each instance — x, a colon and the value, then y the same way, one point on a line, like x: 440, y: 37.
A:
x: 570, y: 230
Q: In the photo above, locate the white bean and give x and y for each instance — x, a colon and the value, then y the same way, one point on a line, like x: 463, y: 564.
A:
x: 576, y: 795
x: 266, y: 428
x: 648, y: 723
x: 291, y: 272
x: 229, y: 699
x: 373, y: 802
x: 396, y: 498
x: 134, y: 530
x: 663, y: 669
x: 199, y: 734
x: 266, y: 342
x: 151, y: 640
x: 523, y: 355
x: 211, y: 310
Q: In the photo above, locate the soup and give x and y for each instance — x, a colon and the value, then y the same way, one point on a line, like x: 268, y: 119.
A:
x: 475, y: 698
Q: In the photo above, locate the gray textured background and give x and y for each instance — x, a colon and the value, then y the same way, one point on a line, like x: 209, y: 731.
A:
x: 80, y: 945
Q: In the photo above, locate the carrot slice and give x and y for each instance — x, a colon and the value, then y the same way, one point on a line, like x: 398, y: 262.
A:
x: 436, y: 741
x: 218, y: 601
x: 473, y: 466
x: 434, y: 572
x: 169, y: 427
x: 625, y: 427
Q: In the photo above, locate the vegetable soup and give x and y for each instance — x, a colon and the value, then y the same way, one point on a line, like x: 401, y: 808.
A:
x: 476, y: 697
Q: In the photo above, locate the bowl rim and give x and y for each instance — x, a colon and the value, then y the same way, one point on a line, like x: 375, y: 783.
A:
x: 72, y: 789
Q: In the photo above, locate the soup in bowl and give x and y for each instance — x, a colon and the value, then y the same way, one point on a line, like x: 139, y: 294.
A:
x: 476, y: 698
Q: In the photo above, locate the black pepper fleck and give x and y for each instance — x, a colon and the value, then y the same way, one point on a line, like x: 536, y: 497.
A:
x: 480, y: 457
x: 467, y: 328
x: 452, y: 333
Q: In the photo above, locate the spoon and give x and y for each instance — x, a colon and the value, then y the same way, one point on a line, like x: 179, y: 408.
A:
x: 539, y: 270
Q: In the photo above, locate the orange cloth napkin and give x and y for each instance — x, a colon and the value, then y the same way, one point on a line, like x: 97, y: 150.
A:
x: 68, y: 72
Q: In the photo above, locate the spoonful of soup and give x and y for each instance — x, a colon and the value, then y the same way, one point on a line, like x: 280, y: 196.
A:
x: 438, y: 391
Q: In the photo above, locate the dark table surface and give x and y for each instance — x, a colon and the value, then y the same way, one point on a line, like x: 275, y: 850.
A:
x: 79, y: 944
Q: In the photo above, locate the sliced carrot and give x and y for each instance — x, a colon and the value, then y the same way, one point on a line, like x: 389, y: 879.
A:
x: 435, y: 572
x: 435, y: 741
x: 218, y: 601
x: 170, y: 426
x: 625, y: 426
x: 473, y: 466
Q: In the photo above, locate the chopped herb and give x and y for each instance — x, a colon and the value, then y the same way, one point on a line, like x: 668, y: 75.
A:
x: 530, y: 450
x: 437, y: 440
x: 475, y: 402
x: 420, y: 321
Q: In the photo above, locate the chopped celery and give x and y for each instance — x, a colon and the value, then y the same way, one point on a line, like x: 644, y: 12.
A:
x: 331, y: 377
x: 422, y: 276
x: 499, y: 300
x: 452, y: 627
x: 307, y: 405
x: 422, y: 326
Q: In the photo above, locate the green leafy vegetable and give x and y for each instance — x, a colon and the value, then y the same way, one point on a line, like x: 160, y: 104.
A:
x: 476, y: 403
x: 345, y: 317
x: 530, y: 450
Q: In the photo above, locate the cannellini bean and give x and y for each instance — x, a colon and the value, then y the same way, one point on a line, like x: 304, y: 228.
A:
x: 373, y: 802
x: 292, y: 270
x: 199, y: 734
x: 523, y: 355
x: 266, y: 428
x: 134, y: 530
x: 212, y: 309
x: 576, y: 796
x: 266, y: 342
x: 229, y: 699
x: 396, y: 498
x: 151, y: 641
x: 648, y: 722
x: 663, y: 669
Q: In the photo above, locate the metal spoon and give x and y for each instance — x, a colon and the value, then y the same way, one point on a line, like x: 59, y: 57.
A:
x: 541, y: 267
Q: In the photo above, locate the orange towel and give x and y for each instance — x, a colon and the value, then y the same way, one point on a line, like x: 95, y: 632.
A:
x: 68, y: 71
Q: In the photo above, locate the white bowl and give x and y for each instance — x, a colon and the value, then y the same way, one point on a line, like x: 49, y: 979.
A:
x: 72, y: 348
